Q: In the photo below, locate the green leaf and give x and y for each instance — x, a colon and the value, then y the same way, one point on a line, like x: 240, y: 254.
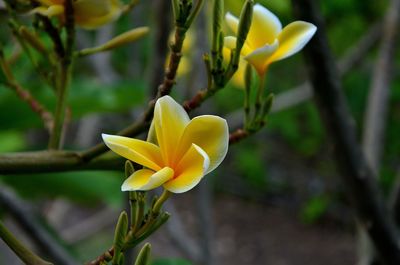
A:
x: 11, y: 141
x: 251, y: 166
x: 82, y: 187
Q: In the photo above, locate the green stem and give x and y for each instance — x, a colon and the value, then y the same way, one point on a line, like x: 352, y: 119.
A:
x: 153, y: 213
x: 246, y: 108
x: 14, y: 26
x: 62, y: 88
x: 194, y: 13
x: 157, y: 206
x: 133, y: 203
x: 259, y: 97
x: 27, y: 256
x: 64, y: 75
x: 247, y: 91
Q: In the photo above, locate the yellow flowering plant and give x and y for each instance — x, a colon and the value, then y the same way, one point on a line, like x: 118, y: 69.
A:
x: 267, y: 41
x: 239, y: 77
x: 179, y: 151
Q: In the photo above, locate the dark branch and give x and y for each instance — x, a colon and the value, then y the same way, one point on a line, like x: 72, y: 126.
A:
x: 54, y: 161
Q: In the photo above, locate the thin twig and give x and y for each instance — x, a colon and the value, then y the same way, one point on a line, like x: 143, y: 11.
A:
x: 22, y: 214
x: 26, y: 255
x: 63, y: 78
x: 54, y: 161
x: 358, y: 177
x: 106, y: 256
x: 54, y: 35
x: 24, y: 94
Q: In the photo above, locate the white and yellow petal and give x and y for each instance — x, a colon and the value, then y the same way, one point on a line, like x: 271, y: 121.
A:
x: 170, y: 120
x: 189, y: 171
x: 151, y: 136
x: 230, y: 43
x: 232, y: 22
x: 260, y: 57
x: 264, y: 29
x: 90, y: 14
x: 211, y: 134
x: 138, y: 151
x: 51, y: 11
x: 146, y: 179
x: 293, y: 38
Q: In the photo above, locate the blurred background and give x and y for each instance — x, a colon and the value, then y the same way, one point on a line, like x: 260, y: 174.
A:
x: 276, y: 199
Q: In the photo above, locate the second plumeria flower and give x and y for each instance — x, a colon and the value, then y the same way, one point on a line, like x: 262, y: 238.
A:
x: 88, y: 14
x: 179, y: 151
x: 266, y: 41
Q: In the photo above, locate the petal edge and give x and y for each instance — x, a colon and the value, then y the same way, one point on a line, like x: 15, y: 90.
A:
x: 146, y: 179
x: 293, y: 38
x: 138, y: 151
x: 189, y: 171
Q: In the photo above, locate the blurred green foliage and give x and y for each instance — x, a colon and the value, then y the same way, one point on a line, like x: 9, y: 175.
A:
x: 314, y: 209
x: 87, y: 188
x: 250, y: 165
x: 171, y: 262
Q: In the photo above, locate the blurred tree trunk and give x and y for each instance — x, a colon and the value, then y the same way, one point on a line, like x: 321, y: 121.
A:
x: 376, y: 112
x: 359, y: 178
x: 162, y: 28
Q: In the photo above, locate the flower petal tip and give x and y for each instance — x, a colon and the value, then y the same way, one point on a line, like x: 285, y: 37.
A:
x: 107, y: 138
x: 125, y: 188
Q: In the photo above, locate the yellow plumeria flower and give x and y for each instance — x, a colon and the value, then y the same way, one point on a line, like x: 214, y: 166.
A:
x: 89, y: 14
x: 183, y: 151
x: 266, y: 41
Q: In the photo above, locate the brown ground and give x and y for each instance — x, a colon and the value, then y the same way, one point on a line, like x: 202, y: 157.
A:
x: 248, y: 233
